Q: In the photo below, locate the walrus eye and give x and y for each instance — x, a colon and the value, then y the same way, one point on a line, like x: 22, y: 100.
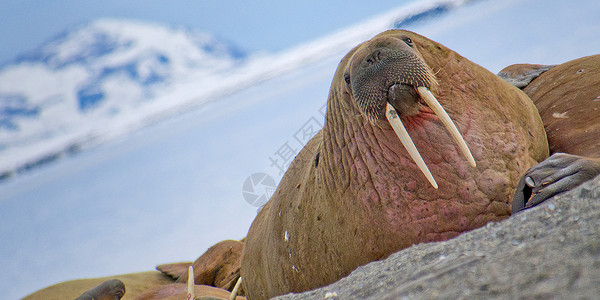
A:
x: 347, y: 78
x: 408, y: 41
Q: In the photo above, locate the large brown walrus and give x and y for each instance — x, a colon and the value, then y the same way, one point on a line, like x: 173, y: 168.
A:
x: 356, y: 193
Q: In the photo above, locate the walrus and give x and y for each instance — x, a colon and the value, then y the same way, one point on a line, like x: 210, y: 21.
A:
x: 567, y: 97
x: 113, y: 289
x: 390, y: 169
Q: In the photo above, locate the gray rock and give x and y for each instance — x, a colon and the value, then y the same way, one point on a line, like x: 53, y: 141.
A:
x: 550, y: 251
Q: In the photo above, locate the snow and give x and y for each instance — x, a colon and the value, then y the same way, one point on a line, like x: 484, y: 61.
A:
x: 160, y: 179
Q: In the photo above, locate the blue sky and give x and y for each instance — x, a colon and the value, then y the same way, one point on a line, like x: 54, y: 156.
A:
x: 252, y: 25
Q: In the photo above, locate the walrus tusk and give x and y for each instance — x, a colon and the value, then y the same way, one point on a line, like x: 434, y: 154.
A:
x: 190, y: 287
x: 407, y: 142
x: 441, y: 113
x: 234, y: 292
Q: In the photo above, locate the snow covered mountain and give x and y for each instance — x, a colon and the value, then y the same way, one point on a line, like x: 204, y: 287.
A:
x: 96, y: 74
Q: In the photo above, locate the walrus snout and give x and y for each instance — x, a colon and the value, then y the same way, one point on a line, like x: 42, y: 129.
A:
x: 378, y: 68
x: 404, y: 98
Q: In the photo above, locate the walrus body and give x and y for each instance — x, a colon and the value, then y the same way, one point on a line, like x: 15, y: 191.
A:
x: 568, y: 99
x: 353, y: 194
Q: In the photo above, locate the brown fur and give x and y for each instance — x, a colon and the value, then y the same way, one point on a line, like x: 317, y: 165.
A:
x: 365, y: 199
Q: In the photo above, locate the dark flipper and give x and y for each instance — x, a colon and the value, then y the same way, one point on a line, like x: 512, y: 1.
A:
x: 174, y: 270
x: 559, y: 173
x: 520, y: 75
x: 113, y: 289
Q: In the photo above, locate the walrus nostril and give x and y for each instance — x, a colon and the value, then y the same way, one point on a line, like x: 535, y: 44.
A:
x: 375, y: 57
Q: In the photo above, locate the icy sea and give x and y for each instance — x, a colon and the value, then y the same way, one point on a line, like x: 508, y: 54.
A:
x: 168, y: 191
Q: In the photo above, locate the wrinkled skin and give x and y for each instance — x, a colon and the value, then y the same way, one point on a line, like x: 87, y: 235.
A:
x: 353, y: 195
x: 568, y: 99
x: 113, y: 289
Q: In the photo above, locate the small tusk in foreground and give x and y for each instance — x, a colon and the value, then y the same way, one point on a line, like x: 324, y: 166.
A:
x: 407, y: 142
x: 441, y: 113
x: 234, y: 292
x: 190, y: 287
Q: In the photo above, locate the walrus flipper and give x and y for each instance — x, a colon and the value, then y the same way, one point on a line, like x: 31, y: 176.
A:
x: 113, y: 289
x: 174, y: 270
x: 521, y: 75
x: 559, y: 173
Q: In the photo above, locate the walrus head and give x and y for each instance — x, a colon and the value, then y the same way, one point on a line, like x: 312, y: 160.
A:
x: 388, y: 77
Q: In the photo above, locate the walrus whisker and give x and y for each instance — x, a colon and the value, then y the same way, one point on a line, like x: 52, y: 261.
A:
x: 190, y: 287
x: 441, y: 113
x: 407, y: 142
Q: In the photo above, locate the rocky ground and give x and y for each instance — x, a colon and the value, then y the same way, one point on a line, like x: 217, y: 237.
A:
x: 551, y: 251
